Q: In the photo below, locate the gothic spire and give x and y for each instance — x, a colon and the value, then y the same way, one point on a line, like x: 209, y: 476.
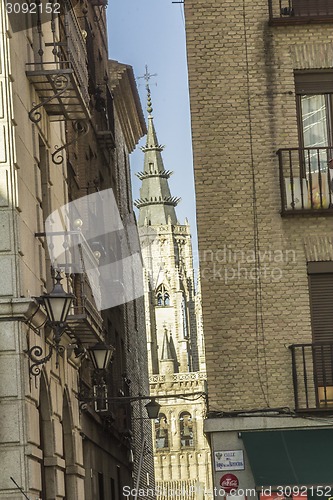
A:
x: 166, y: 348
x: 156, y: 204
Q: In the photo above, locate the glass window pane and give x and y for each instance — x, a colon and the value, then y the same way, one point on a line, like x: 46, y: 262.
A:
x: 314, y: 121
x: 315, y: 131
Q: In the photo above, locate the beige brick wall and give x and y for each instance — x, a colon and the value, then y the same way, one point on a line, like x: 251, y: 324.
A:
x: 243, y: 109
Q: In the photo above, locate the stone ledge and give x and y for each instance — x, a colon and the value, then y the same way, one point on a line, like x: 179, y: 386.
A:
x: 34, y: 452
x: 55, y: 462
x: 76, y: 470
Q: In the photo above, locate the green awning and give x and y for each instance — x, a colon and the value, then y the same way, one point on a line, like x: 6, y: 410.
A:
x: 297, y: 457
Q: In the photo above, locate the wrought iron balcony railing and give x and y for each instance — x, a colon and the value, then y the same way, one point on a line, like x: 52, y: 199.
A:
x: 312, y: 367
x: 300, y: 11
x: 69, y: 250
x: 86, y: 321
x: 306, y: 180
x: 60, y: 72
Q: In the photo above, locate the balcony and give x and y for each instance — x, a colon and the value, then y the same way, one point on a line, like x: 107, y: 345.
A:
x: 300, y: 11
x: 85, y: 321
x: 306, y: 181
x: 312, y: 366
x: 60, y: 73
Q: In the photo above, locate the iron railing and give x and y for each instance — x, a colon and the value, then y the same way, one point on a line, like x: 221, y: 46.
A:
x: 297, y: 11
x: 59, y: 72
x: 312, y: 369
x: 69, y: 250
x: 306, y: 180
x: 76, y: 50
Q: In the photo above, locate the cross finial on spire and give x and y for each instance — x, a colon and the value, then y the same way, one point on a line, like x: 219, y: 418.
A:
x: 147, y: 76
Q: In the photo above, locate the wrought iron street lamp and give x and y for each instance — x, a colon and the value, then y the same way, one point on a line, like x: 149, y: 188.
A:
x: 100, y: 355
x: 57, y: 304
x: 153, y: 409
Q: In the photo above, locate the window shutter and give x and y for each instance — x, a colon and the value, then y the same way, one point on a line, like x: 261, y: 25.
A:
x: 321, y: 303
x: 313, y: 82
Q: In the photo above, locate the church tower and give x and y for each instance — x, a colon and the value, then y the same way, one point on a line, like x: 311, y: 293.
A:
x: 174, y: 333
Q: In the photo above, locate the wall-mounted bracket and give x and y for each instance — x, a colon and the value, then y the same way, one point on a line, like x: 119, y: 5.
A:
x: 81, y: 128
x: 60, y: 84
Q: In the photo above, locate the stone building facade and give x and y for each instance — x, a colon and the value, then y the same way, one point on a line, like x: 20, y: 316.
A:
x: 69, y: 119
x: 261, y: 84
x: 174, y: 334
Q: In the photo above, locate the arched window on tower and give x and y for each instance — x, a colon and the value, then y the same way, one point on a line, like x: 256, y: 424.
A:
x: 161, y: 432
x: 186, y: 430
x: 162, y: 296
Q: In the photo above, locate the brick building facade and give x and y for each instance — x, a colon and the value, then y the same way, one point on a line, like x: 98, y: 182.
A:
x: 261, y: 86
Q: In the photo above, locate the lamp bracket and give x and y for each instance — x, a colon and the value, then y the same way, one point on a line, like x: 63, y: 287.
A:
x: 35, y: 354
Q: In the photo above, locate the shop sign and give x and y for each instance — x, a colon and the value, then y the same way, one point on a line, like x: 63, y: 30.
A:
x: 229, y: 460
x: 229, y: 482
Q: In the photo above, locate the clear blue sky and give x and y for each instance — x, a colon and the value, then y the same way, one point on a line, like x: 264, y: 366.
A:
x: 152, y: 32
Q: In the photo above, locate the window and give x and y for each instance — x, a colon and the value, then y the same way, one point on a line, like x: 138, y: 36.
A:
x: 162, y: 296
x: 310, y: 179
x: 314, y: 92
x: 101, y: 486
x: 321, y: 299
x: 161, y: 432
x: 112, y: 489
x: 186, y: 430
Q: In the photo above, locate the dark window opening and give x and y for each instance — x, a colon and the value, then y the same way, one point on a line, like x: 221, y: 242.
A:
x: 162, y: 296
x: 186, y: 430
x: 101, y: 486
x: 161, y: 432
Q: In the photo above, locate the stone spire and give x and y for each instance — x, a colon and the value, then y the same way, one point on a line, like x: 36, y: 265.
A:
x: 166, y: 348
x: 167, y: 361
x: 156, y: 204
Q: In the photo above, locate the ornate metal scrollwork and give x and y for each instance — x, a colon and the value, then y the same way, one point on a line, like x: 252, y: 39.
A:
x: 81, y: 127
x: 61, y: 83
x: 35, y: 352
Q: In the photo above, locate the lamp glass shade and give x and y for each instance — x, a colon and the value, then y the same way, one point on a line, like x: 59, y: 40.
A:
x: 57, y: 303
x: 57, y: 308
x: 100, y: 355
x: 153, y: 409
